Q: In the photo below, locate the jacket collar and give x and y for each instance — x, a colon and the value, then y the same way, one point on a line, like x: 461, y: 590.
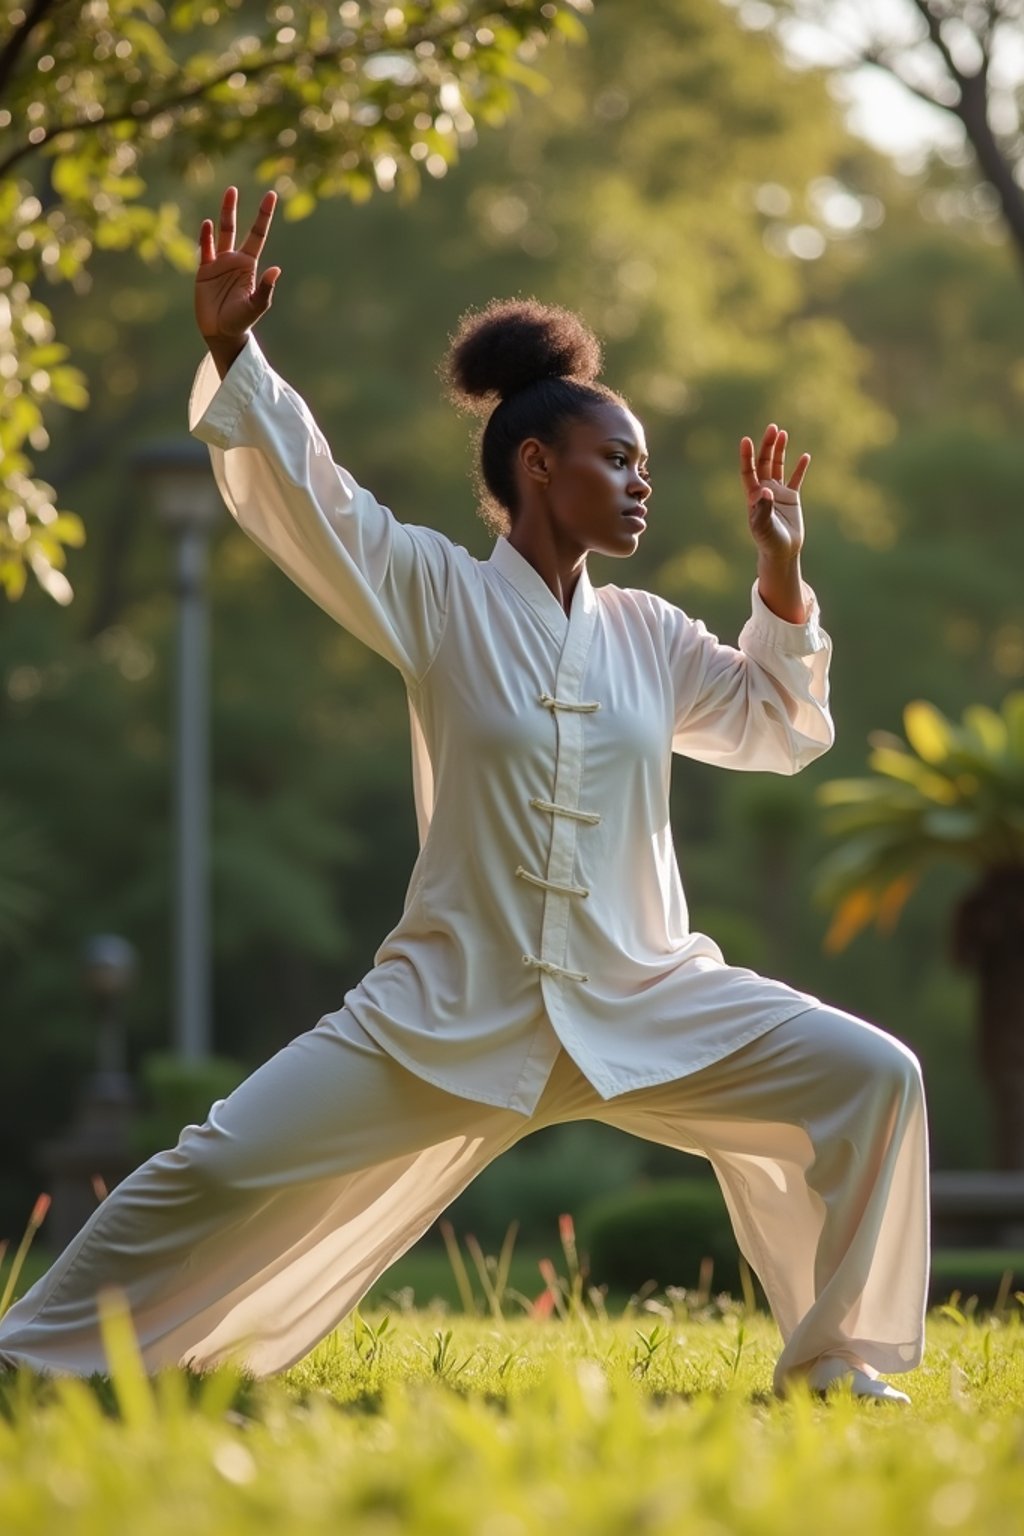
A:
x: 520, y: 574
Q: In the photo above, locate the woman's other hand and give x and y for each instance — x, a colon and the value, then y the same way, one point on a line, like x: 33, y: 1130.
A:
x: 773, y: 503
x: 776, y: 523
x: 229, y: 298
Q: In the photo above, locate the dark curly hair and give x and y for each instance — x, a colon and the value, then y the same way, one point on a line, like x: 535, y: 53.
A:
x: 530, y: 368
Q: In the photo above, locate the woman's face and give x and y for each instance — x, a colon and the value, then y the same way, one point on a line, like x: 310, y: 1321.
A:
x: 594, y: 483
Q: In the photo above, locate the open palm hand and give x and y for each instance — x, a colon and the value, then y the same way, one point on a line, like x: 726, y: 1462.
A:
x: 773, y: 503
x: 229, y: 298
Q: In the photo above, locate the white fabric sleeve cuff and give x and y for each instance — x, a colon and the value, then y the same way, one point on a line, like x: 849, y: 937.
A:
x: 794, y: 639
x: 216, y: 405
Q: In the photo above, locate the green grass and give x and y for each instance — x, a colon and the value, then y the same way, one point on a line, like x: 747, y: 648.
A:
x: 425, y: 1274
x: 417, y: 1423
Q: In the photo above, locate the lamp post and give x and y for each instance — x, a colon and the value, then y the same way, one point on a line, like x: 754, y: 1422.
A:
x: 108, y: 970
x: 180, y: 486
x: 96, y: 1152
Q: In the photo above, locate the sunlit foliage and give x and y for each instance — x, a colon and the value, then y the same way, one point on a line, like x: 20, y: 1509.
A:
x: 324, y: 101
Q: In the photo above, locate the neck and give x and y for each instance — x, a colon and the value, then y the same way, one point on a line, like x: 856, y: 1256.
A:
x: 558, y: 568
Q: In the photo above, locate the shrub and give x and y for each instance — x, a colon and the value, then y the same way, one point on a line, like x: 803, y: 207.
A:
x: 561, y: 1168
x: 176, y: 1093
x: 661, y: 1234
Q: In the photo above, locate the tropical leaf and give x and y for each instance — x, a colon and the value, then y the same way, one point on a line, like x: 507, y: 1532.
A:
x: 893, y: 899
x: 954, y: 824
x: 929, y: 732
x: 987, y: 728
x: 1013, y: 714
x: 910, y: 770
x: 958, y: 794
x: 865, y: 791
x: 873, y: 859
x: 846, y: 820
x: 854, y: 913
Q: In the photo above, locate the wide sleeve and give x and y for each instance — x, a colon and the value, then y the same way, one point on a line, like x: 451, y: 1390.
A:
x: 385, y: 581
x: 762, y: 705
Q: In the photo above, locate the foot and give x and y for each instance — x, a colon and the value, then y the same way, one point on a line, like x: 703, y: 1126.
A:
x: 830, y: 1369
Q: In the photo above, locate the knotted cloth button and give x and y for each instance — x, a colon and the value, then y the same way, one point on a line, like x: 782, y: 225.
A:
x: 555, y: 970
x: 550, y: 702
x: 551, y: 885
x: 590, y: 817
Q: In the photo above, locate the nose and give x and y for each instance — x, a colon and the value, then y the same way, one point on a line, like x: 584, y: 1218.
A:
x: 639, y: 488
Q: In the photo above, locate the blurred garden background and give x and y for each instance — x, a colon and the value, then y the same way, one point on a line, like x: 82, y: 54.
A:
x: 759, y: 231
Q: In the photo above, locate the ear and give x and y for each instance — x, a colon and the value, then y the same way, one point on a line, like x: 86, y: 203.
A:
x: 534, y: 459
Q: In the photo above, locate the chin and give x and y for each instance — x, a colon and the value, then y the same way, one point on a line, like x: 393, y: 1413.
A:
x: 621, y: 549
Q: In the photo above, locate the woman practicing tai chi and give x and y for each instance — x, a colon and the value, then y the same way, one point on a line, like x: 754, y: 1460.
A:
x: 543, y: 969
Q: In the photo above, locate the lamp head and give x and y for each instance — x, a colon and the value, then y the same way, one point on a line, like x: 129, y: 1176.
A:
x: 177, y: 481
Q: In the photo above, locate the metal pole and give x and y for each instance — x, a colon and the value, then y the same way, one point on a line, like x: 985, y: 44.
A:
x: 192, y: 962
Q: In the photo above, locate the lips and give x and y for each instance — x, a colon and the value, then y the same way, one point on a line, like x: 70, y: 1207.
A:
x: 635, y: 511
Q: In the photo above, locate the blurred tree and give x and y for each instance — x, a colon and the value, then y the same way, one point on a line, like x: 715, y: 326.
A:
x: 325, y: 103
x: 956, y: 794
x: 745, y: 260
x: 960, y: 56
x: 630, y: 191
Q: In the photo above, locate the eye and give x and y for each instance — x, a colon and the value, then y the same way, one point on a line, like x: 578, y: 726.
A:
x: 619, y: 460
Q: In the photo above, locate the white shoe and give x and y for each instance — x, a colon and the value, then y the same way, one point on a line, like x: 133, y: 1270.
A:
x: 831, y: 1369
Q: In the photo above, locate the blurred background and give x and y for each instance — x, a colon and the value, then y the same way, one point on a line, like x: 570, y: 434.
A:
x: 761, y: 227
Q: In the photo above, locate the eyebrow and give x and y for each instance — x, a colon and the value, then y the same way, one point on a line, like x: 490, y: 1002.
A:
x: 625, y: 442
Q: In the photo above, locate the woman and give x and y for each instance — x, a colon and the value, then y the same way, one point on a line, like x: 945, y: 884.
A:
x: 543, y: 969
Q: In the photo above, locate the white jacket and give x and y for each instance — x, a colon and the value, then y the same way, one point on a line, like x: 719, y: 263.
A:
x: 546, y: 905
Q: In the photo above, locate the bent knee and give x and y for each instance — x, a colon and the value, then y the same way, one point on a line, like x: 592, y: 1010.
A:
x: 866, y: 1057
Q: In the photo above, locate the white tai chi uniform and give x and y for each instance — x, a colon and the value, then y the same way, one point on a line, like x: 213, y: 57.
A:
x: 543, y: 968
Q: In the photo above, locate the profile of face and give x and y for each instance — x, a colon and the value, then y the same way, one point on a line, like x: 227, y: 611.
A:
x: 591, y: 485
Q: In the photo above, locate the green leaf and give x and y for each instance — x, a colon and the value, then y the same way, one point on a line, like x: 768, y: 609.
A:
x: 13, y: 576
x: 953, y: 824
x: 299, y: 206
x: 70, y: 177
x: 987, y: 728
x: 1013, y: 714
x: 865, y: 791
x: 68, y: 388
x: 929, y: 732
x: 900, y: 765
x: 68, y: 528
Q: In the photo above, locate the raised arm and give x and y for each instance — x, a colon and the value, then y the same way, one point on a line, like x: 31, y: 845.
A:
x: 763, y: 705
x: 385, y: 581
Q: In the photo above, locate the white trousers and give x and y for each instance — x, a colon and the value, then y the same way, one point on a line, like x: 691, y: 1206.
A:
x: 255, y: 1235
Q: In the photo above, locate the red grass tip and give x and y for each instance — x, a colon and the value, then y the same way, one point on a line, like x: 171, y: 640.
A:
x: 548, y: 1272
x: 566, y: 1229
x: 39, y: 1211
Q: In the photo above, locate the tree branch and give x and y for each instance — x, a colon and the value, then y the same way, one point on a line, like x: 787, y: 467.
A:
x: 934, y: 25
x: 196, y: 93
x: 15, y: 44
x: 878, y: 60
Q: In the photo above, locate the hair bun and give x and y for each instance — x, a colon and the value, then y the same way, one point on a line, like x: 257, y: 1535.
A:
x: 513, y: 343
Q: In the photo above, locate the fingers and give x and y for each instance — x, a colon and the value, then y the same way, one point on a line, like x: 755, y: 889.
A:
x: 796, y: 479
x: 769, y: 462
x: 256, y: 238
x: 748, y: 474
x: 228, y: 209
x: 207, y: 252
x: 263, y: 295
x: 779, y: 456
x: 225, y: 243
